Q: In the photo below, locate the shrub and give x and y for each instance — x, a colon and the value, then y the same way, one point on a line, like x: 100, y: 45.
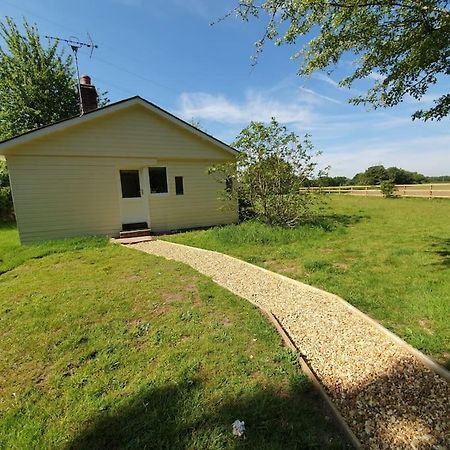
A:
x: 6, y: 203
x: 269, y: 174
x: 388, y: 189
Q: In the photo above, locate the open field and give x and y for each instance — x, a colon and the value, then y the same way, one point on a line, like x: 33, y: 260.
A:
x: 106, y: 347
x: 388, y: 257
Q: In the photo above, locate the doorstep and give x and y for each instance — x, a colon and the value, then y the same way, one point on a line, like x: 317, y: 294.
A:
x: 133, y: 240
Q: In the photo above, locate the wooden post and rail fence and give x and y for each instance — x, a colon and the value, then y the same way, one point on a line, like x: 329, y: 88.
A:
x: 435, y: 190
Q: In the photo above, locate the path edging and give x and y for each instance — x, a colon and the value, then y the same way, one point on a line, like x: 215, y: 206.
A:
x: 314, y: 380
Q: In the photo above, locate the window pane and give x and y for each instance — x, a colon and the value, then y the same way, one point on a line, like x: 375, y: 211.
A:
x: 179, y: 188
x: 158, y: 180
x: 129, y: 179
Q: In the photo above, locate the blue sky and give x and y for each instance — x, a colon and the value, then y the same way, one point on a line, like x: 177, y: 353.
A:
x: 167, y: 52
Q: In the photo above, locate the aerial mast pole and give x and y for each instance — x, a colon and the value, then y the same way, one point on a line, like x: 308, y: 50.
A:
x: 75, y: 45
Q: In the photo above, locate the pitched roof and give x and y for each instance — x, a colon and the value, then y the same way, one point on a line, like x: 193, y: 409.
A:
x: 108, y: 109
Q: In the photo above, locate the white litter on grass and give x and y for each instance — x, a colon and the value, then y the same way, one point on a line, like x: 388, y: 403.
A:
x: 238, y: 428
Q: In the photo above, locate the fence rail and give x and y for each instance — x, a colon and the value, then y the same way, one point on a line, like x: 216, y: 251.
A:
x: 437, y: 190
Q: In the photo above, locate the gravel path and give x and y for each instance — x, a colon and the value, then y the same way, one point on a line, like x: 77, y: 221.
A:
x: 387, y: 396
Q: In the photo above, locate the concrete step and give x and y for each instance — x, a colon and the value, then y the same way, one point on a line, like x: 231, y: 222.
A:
x: 133, y: 240
x: 135, y: 233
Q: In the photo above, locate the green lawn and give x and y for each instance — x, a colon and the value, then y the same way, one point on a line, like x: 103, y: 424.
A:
x: 104, y: 347
x: 388, y: 257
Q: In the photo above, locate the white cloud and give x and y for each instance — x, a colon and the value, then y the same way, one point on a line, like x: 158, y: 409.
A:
x: 327, y: 79
x: 316, y: 95
x: 376, y: 76
x: 255, y: 106
x: 351, y: 138
x: 369, y: 120
x: 426, y: 100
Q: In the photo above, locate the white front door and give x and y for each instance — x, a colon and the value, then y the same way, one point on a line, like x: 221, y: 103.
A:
x: 134, y: 198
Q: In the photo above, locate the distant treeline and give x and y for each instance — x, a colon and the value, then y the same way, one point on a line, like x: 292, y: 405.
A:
x: 375, y: 175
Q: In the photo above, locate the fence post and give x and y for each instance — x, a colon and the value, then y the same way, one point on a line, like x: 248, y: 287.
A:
x: 404, y: 190
x: 366, y: 190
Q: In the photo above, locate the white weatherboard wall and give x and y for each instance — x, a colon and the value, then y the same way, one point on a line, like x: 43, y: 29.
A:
x: 67, y: 183
x: 199, y: 206
x: 63, y: 197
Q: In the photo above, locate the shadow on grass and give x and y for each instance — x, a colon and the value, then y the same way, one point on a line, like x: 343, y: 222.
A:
x: 441, y: 247
x: 7, y: 224
x: 406, y: 406
x: 329, y: 222
x: 14, y: 254
x: 171, y: 417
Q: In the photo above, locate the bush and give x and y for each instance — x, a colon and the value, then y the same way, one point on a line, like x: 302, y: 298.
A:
x: 269, y: 174
x: 6, y: 203
x: 388, y: 189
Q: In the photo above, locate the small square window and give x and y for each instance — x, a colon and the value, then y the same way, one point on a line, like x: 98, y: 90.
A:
x: 179, y: 187
x: 158, y: 180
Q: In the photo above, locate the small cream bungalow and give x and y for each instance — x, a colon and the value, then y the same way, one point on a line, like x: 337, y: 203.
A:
x: 124, y: 166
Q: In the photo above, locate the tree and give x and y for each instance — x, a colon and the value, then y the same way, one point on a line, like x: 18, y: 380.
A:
x: 375, y: 175
x: 37, y: 84
x: 401, y: 45
x: 37, y: 88
x: 4, y: 176
x: 271, y: 167
x: 402, y: 176
x: 371, y: 176
x: 6, y: 204
x: 438, y: 179
x: 332, y: 181
x: 387, y: 188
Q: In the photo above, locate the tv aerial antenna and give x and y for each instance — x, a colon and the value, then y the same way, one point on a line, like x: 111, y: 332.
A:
x: 75, y: 44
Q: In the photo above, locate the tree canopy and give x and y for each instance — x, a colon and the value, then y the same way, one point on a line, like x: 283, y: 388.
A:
x: 403, y: 46
x: 6, y: 203
x: 37, y: 83
x: 375, y: 175
x: 4, y: 176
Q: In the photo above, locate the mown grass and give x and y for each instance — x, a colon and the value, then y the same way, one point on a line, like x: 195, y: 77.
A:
x: 104, y: 347
x: 388, y: 257
x: 13, y: 254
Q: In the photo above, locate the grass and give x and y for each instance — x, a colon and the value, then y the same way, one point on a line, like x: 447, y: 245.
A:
x: 12, y: 254
x: 107, y: 347
x: 388, y: 257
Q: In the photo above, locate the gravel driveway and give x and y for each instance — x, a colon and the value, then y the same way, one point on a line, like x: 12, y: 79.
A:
x: 387, y: 396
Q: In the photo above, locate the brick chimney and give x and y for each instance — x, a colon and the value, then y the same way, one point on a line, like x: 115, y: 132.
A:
x: 88, y: 94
